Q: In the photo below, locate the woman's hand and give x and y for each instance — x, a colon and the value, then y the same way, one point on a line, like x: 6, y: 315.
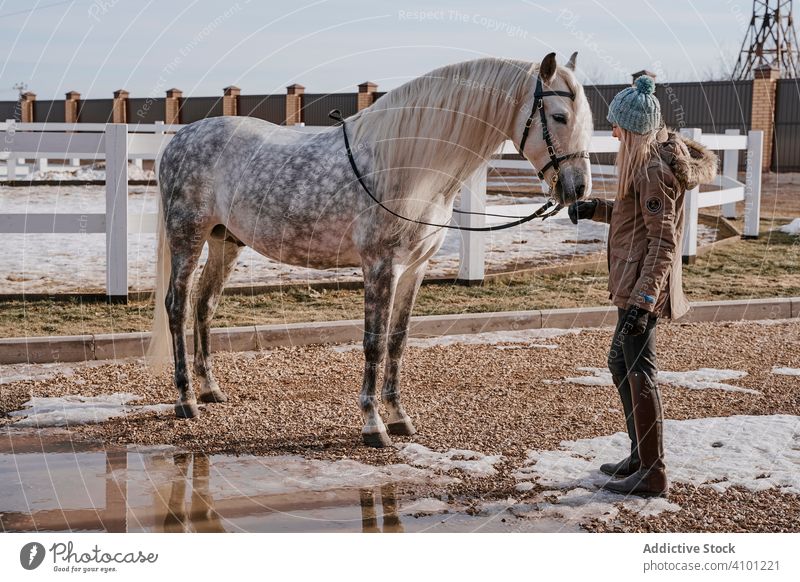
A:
x: 635, y: 322
x: 582, y: 209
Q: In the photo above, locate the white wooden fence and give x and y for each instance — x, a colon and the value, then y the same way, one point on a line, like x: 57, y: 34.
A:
x: 118, y: 143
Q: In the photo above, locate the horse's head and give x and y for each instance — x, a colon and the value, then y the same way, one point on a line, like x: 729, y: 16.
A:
x: 559, y: 129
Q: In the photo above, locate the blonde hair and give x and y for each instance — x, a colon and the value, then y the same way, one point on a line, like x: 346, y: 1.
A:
x: 635, y: 151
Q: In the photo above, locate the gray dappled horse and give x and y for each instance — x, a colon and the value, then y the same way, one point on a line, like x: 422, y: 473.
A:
x: 292, y: 196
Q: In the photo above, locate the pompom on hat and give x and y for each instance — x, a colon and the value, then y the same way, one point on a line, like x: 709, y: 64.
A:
x: 636, y: 108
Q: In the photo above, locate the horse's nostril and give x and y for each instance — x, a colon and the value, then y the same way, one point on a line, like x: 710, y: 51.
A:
x: 579, y: 191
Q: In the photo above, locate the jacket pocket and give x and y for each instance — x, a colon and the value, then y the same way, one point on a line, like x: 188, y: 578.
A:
x: 623, y: 271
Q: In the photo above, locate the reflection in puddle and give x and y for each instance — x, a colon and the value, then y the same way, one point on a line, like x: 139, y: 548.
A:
x: 50, y: 483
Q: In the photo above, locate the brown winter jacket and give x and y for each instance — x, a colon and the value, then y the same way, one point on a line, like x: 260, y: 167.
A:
x: 646, y: 227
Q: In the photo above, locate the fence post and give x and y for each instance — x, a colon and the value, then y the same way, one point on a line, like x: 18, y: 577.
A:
x: 752, y: 183
x: 116, y: 146
x: 230, y: 100
x: 119, y: 106
x: 294, y: 104
x: 473, y: 244
x: 366, y: 95
x: 172, y: 106
x: 11, y: 161
x: 691, y: 208
x: 27, y: 109
x: 730, y: 169
x: 72, y: 107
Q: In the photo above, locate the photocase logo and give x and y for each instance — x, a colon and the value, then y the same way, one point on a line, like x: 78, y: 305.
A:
x: 31, y: 555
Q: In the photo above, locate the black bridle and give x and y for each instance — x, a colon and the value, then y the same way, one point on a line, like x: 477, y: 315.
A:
x: 548, y: 209
x: 538, y: 105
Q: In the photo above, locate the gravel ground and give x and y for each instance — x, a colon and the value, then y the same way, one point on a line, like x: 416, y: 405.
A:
x: 304, y: 401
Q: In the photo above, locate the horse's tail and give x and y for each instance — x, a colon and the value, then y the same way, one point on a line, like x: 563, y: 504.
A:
x: 159, y: 351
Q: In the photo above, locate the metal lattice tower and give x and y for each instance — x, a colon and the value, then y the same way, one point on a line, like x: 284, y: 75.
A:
x: 770, y: 40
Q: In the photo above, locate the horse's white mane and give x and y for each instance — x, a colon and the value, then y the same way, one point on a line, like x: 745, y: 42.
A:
x: 431, y: 133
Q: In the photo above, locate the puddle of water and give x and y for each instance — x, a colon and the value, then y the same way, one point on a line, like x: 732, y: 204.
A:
x: 50, y: 483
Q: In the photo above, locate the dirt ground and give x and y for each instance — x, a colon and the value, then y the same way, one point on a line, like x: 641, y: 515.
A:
x: 304, y: 401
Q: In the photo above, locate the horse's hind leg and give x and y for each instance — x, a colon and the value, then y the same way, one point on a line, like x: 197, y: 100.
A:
x: 222, y: 255
x: 185, y: 253
x: 379, y: 287
x: 399, y: 422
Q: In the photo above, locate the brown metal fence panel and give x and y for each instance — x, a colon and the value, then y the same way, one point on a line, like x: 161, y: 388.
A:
x: 599, y: 98
x: 96, y: 111
x: 48, y: 111
x: 712, y: 106
x: 271, y: 108
x: 316, y: 107
x: 146, y: 110
x: 196, y: 108
x: 9, y: 110
x: 786, y: 150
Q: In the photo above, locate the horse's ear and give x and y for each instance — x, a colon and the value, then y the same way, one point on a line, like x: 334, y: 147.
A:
x: 548, y: 68
x: 571, y: 63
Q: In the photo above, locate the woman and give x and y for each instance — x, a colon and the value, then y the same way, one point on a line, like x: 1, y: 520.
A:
x: 655, y: 167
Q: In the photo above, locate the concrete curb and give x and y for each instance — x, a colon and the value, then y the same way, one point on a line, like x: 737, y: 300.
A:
x: 40, y: 350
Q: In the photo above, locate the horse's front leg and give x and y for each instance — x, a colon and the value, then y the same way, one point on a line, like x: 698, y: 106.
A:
x: 379, y: 288
x: 399, y: 422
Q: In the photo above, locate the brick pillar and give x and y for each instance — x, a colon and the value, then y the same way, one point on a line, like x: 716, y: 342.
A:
x: 230, y: 100
x: 366, y: 95
x: 71, y: 107
x: 26, y: 106
x: 294, y: 103
x: 172, y: 106
x: 119, y: 107
x: 763, y: 115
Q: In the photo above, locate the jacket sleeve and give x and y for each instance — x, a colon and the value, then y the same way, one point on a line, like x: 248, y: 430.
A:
x: 603, y: 210
x: 658, y: 201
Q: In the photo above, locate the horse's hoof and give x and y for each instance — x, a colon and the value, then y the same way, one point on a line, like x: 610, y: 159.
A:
x: 402, y: 427
x: 187, y: 409
x: 377, y: 440
x: 213, y: 396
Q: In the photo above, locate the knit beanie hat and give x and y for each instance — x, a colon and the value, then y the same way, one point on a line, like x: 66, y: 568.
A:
x: 636, y: 108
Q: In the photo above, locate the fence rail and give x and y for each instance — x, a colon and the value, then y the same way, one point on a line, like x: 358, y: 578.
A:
x: 118, y: 143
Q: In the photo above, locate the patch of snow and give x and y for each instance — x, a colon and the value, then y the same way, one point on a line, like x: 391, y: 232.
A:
x: 524, y: 486
x: 580, y: 505
x: 470, y: 462
x: 786, y: 371
x: 792, y: 228
x: 251, y: 475
x: 523, y: 336
x: 528, y: 346
x: 90, y: 172
x: 487, y: 338
x: 702, y: 379
x: 754, y: 452
x: 426, y: 505
x: 72, y: 410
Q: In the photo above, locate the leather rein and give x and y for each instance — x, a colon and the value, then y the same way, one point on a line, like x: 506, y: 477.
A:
x: 548, y: 209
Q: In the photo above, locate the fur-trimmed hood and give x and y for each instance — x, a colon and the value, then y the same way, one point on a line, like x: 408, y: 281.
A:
x: 691, y: 162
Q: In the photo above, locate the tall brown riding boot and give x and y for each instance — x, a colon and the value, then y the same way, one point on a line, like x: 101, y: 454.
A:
x: 629, y: 464
x: 651, y: 478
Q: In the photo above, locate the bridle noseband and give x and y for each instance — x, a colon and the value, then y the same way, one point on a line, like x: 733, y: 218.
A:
x: 538, y: 105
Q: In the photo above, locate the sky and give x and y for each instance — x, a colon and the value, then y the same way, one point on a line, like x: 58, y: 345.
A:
x: 200, y: 46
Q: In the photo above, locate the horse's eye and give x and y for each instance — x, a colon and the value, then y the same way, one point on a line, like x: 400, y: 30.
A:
x: 560, y: 118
